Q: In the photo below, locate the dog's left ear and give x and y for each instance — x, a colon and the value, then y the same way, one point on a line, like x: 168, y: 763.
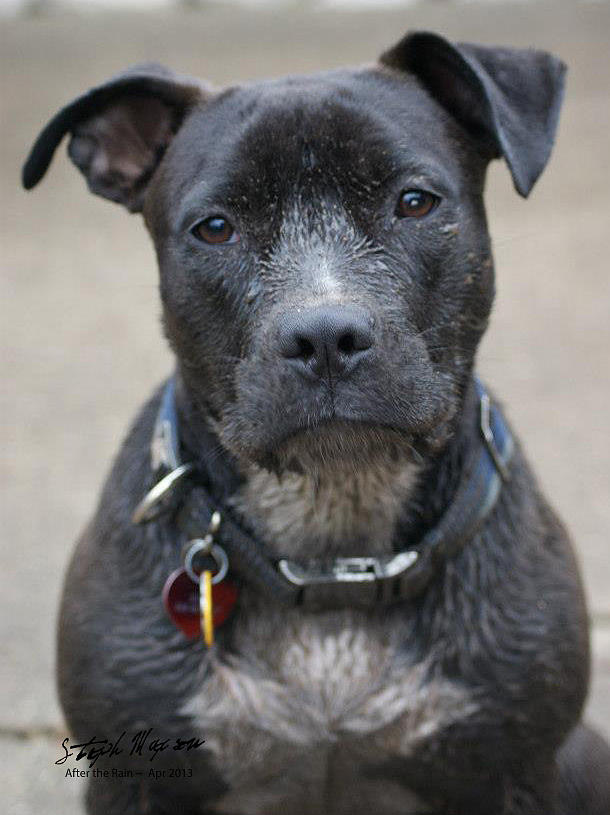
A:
x: 507, y: 98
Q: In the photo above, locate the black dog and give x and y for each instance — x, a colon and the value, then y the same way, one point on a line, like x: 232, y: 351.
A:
x: 405, y: 628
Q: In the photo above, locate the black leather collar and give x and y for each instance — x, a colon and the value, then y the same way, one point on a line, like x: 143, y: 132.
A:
x: 337, y: 582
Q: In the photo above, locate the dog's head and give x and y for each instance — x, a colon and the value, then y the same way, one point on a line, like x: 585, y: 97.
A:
x: 326, y: 273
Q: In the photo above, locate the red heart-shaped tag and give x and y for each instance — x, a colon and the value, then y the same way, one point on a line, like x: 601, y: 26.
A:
x: 181, y: 601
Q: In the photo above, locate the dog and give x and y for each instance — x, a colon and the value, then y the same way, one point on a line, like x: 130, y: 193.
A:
x: 393, y: 617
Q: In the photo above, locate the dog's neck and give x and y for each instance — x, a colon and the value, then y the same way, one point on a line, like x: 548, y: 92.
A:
x: 340, y: 513
x: 355, y: 511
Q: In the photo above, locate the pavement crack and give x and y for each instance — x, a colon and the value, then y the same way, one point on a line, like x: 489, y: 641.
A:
x: 26, y: 733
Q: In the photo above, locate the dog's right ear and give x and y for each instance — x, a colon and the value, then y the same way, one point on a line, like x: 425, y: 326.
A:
x: 120, y: 131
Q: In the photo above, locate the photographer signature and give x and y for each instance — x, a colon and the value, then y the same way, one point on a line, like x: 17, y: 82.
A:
x: 143, y: 744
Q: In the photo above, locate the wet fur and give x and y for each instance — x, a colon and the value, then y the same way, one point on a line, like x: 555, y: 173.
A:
x: 465, y: 700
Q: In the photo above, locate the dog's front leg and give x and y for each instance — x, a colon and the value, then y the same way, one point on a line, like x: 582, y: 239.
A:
x: 138, y: 797
x: 105, y: 796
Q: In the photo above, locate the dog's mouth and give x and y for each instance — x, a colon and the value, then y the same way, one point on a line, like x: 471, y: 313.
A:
x: 281, y: 425
x: 340, y: 444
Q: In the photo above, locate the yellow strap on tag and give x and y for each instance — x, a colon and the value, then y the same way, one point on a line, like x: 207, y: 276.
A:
x: 206, y: 607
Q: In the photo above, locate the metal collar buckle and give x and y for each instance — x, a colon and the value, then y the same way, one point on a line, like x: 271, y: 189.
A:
x: 355, y: 582
x: 348, y: 569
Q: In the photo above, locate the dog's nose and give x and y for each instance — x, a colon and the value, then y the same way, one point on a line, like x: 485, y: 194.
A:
x: 326, y: 339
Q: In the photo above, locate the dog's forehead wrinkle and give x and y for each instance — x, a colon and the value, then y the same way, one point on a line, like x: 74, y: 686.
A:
x: 313, y: 124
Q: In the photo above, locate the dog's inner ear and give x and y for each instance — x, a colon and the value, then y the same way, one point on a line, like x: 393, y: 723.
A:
x: 508, y: 99
x: 119, y: 149
x: 120, y: 131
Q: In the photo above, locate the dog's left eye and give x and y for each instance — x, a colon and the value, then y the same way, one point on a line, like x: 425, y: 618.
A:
x: 215, y: 229
x: 416, y: 203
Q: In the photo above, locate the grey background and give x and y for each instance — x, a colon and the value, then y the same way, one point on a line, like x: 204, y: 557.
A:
x: 81, y: 340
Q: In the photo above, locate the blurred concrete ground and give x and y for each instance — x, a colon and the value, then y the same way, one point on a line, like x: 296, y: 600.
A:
x: 82, y: 344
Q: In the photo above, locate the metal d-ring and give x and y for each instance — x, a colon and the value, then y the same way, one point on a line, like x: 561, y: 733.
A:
x: 148, y: 506
x: 208, y: 547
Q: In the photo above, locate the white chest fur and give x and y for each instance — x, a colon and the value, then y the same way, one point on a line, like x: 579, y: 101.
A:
x: 308, y: 701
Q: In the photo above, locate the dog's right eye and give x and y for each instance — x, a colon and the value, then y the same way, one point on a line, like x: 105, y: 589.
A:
x: 215, y: 229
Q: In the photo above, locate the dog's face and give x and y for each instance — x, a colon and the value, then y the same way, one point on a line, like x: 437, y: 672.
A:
x: 325, y: 266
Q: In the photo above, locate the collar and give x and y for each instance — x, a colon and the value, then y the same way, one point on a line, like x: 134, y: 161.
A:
x: 212, y: 531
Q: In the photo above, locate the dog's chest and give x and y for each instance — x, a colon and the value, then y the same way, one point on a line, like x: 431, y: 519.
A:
x: 311, y: 703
